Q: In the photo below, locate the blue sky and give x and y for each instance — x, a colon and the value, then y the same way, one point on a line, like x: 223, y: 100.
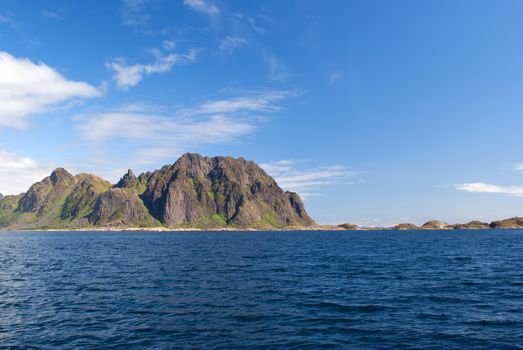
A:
x: 376, y: 112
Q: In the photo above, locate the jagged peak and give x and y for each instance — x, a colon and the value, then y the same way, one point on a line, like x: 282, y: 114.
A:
x: 60, y: 174
x: 191, y: 156
x: 127, y: 181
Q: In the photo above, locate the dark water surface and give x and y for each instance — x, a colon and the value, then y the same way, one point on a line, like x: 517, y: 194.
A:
x: 353, y: 290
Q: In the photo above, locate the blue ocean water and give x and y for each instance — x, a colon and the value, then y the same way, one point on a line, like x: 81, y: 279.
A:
x: 351, y: 290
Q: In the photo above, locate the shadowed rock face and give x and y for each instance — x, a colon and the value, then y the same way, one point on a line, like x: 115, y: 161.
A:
x: 349, y: 226
x: 1, y: 196
x: 196, y: 191
x: 226, y: 190
x: 119, y: 207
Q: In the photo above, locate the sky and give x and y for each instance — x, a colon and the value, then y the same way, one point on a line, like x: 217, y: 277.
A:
x: 376, y: 112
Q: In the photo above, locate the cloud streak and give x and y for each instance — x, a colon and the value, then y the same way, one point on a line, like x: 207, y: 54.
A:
x: 480, y: 187
x: 130, y: 75
x: 28, y: 88
x: 307, y: 182
x: 518, y: 167
x: 150, y: 136
x: 133, y: 13
x: 231, y: 43
x: 202, y: 7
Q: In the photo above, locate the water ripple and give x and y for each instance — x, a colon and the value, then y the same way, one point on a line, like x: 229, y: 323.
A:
x: 259, y: 290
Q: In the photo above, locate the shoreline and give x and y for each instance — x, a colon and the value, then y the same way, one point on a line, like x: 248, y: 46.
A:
x: 314, y: 228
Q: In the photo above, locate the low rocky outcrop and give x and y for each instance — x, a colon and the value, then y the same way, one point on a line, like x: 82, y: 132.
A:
x: 516, y: 222
x: 194, y: 192
x: 348, y: 226
x: 435, y: 225
x: 405, y: 226
x: 473, y: 225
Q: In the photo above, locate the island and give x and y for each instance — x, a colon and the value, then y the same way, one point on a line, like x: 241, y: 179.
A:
x: 195, y: 192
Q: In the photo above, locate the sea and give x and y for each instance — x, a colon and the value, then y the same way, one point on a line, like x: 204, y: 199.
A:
x: 262, y: 290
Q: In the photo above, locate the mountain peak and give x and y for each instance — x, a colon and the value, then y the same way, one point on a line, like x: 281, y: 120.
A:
x: 129, y: 180
x: 60, y: 174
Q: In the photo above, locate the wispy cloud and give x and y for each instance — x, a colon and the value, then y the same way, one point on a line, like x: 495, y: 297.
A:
x: 258, y: 102
x: 155, y: 136
x: 28, y: 88
x: 53, y: 15
x: 481, y: 187
x: 334, y: 77
x: 231, y: 43
x: 133, y: 13
x: 169, y: 45
x: 130, y: 75
x: 518, y: 167
x: 252, y: 23
x: 18, y: 173
x: 307, y: 182
x: 7, y: 19
x: 202, y: 7
x: 277, y: 69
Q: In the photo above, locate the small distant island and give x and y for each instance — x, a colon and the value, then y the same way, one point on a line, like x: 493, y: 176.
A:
x: 516, y: 222
x: 194, y: 193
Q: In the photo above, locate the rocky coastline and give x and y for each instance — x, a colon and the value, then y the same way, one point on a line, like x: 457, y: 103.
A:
x: 511, y: 223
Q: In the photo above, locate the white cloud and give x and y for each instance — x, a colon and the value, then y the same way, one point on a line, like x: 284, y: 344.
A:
x: 481, y: 187
x: 153, y: 136
x: 307, y: 182
x: 277, y: 69
x: 28, y: 88
x: 202, y: 6
x: 518, y: 167
x: 133, y: 13
x: 51, y: 14
x: 127, y: 76
x: 251, y: 22
x: 17, y: 173
x: 230, y: 44
x: 261, y: 102
x: 8, y: 20
x: 169, y: 44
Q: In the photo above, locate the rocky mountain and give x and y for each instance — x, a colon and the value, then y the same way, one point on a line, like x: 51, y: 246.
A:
x: 194, y: 192
x: 1, y: 196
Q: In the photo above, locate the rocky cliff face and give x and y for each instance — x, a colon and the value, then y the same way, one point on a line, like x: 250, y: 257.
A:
x: 201, y: 191
x: 196, y: 192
